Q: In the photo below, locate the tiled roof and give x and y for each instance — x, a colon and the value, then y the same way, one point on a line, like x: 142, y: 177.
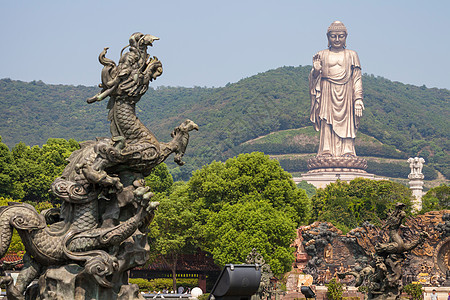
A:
x: 11, y: 257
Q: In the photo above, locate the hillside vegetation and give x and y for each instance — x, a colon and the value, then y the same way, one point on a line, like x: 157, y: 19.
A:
x: 412, y: 119
x: 293, y: 147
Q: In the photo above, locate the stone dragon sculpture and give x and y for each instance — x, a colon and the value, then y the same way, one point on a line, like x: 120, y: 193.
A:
x: 106, y: 209
x: 383, y: 276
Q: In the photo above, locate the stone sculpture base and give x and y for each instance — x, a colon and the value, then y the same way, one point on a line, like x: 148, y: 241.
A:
x: 69, y: 283
x: 337, y: 164
x: 326, y: 169
x: 321, y: 179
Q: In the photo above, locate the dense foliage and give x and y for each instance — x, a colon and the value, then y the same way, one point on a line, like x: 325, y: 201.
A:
x: 335, y: 289
x: 159, y: 180
x: 437, y: 198
x: 410, y: 118
x: 159, y: 284
x: 310, y: 189
x: 174, y: 229
x: 414, y: 290
x: 348, y: 205
x: 26, y: 173
x: 248, y: 202
x: 245, y: 176
x: 236, y: 229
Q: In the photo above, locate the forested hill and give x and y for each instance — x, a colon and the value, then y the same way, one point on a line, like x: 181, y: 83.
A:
x: 412, y: 119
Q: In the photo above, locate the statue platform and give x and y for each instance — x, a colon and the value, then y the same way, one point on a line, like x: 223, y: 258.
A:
x: 326, y: 169
x: 321, y: 179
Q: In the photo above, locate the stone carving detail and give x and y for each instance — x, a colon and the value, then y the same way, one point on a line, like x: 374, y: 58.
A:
x: 357, y: 249
x: 316, y: 240
x: 416, y: 165
x: 442, y: 256
x: 444, y: 227
x: 337, y: 164
x: 336, y: 93
x: 266, y: 287
x: 383, y: 276
x: 85, y: 249
x: 416, y: 180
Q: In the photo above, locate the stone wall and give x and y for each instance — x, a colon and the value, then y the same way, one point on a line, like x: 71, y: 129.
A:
x: 322, y: 250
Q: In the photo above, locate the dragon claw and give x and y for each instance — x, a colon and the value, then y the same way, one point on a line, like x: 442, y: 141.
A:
x: 152, y: 206
x: 141, y: 191
x: 147, y: 196
x: 6, y: 280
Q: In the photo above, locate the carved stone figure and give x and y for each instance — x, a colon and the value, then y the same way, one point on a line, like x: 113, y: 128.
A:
x: 336, y: 92
x: 266, y: 287
x: 383, y: 276
x: 84, y: 250
x: 316, y: 240
x: 356, y: 249
x: 416, y: 165
x: 416, y: 181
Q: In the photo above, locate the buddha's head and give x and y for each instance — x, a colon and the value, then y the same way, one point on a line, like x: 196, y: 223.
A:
x: 337, y: 35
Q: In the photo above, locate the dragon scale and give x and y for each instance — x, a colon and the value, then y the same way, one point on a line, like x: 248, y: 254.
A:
x: 47, y: 246
x: 125, y: 122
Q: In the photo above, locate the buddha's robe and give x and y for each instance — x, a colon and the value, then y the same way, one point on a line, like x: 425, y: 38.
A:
x: 333, y: 95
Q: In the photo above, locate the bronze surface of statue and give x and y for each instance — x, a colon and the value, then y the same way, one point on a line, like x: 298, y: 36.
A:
x: 336, y: 94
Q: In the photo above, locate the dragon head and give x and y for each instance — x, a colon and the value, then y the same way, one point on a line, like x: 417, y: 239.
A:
x: 140, y: 40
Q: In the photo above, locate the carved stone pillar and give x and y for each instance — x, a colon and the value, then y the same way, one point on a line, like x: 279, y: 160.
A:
x: 416, y: 181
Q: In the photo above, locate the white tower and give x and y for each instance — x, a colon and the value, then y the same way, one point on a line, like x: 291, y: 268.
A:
x: 416, y: 181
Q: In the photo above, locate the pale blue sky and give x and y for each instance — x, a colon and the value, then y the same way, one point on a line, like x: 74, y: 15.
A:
x: 211, y: 43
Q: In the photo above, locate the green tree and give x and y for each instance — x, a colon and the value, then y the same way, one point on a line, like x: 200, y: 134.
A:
x: 310, y: 189
x: 415, y: 291
x: 253, y: 174
x: 6, y: 160
x: 248, y: 202
x: 160, y: 180
x: 34, y: 169
x: 173, y: 230
x: 335, y: 290
x: 348, y: 205
x: 232, y: 233
x: 437, y: 198
x: 43, y: 206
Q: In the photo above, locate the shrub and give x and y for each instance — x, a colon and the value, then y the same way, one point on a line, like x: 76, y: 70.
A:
x: 363, y: 289
x: 334, y: 290
x: 203, y: 296
x: 414, y: 291
x: 144, y: 284
x: 159, y: 284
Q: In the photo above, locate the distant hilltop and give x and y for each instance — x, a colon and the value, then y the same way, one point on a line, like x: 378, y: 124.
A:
x: 401, y: 120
